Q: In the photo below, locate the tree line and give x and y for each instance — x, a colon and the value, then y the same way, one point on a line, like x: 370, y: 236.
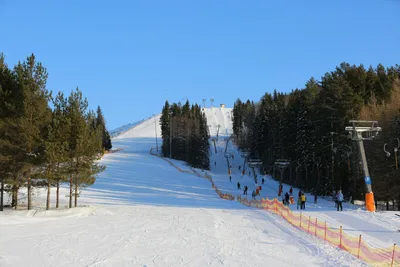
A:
x: 307, y: 127
x: 186, y: 128
x: 46, y: 139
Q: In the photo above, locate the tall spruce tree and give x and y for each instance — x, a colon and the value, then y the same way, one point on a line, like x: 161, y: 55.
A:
x: 31, y: 77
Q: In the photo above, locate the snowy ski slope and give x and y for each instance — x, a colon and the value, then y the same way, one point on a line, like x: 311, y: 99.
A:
x: 219, y: 116
x: 143, y: 212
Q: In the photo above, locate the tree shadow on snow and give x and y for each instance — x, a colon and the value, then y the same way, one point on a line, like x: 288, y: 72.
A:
x: 135, y: 176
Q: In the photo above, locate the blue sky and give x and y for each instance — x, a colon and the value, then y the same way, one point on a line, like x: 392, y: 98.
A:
x: 130, y: 56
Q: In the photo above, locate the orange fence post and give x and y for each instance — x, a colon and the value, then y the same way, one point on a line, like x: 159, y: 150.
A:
x: 325, y: 232
x: 359, y: 247
x: 316, y: 224
x: 394, y: 249
x: 309, y: 219
x: 340, y: 241
x: 300, y: 220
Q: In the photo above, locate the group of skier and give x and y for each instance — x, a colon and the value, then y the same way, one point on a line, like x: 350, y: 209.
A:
x: 288, y: 196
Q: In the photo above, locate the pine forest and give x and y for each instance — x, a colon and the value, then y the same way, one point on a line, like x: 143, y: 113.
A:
x: 46, y: 139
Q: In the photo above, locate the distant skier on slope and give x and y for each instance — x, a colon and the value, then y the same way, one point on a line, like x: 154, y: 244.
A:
x: 339, y: 200
x: 300, y: 193
x: 286, y: 198
x: 303, y: 201
x: 238, y: 184
x: 245, y: 190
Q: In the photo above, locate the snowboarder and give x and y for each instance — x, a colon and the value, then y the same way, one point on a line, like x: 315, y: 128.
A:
x: 291, y: 191
x: 238, y: 184
x: 303, y: 201
x: 339, y: 200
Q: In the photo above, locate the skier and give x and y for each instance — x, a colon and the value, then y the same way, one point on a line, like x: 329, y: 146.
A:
x: 300, y: 193
x: 230, y: 178
x: 253, y: 195
x: 239, y: 167
x: 339, y: 200
x: 262, y: 180
x: 303, y: 201
x: 238, y: 184
x: 291, y: 191
x: 245, y: 190
x: 298, y: 202
x: 287, y: 198
x: 215, y: 163
x: 334, y: 195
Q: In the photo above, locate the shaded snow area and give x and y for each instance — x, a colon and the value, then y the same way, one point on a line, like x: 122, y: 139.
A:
x: 143, y: 212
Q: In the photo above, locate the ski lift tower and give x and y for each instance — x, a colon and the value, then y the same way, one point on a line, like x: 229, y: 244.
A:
x: 254, y: 163
x: 282, y: 164
x: 360, y: 131
x: 245, y: 155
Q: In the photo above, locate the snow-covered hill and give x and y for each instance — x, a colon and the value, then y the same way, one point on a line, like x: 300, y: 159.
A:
x: 143, y: 212
x: 221, y: 118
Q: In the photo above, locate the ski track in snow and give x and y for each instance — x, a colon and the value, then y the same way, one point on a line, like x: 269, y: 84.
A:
x: 143, y: 212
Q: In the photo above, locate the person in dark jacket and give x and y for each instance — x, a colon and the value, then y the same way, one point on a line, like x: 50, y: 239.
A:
x: 238, y: 184
x: 287, y: 198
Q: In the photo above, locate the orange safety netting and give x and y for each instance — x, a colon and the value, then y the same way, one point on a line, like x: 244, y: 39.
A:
x: 336, y: 236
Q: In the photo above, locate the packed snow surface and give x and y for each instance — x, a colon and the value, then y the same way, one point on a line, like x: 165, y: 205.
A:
x: 143, y: 212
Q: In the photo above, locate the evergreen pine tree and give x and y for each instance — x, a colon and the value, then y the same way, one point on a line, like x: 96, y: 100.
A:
x: 32, y: 77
